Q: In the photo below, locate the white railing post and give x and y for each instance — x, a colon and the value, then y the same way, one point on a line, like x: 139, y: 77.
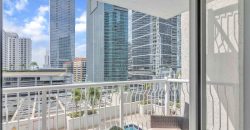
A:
x: 35, y: 81
x: 121, y: 107
x: 18, y: 82
x: 166, y: 87
x: 44, y: 111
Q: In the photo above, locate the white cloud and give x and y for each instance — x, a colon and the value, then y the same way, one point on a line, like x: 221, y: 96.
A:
x: 21, y: 4
x: 82, y: 18
x: 9, y: 12
x: 80, y: 50
x: 36, y: 28
x: 38, y: 55
x: 81, y: 23
x: 10, y: 6
x: 80, y: 27
x: 43, y: 9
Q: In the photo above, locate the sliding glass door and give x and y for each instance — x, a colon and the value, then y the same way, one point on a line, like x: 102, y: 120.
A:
x: 223, y: 64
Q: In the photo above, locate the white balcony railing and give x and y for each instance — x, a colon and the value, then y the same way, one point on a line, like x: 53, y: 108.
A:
x: 93, y: 105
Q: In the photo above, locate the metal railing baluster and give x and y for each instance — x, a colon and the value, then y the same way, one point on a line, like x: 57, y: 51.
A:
x: 49, y: 105
x: 65, y: 109
x: 99, y: 107
x: 105, y: 111
x: 212, y: 105
x: 80, y: 111
x: 57, y: 104
x: 29, y: 98
x: 44, y: 109
x: 18, y: 117
x: 121, y: 106
x: 39, y: 110
x: 6, y: 111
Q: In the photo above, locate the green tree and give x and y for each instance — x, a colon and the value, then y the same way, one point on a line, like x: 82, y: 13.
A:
x: 93, y: 96
x: 33, y: 64
x: 77, y: 96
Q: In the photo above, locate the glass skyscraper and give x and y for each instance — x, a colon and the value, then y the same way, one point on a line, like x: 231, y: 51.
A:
x: 62, y: 32
x: 107, y: 42
x: 155, y: 46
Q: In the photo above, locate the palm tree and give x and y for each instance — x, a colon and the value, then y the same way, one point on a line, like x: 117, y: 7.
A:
x: 93, y: 96
x: 77, y: 96
x: 33, y: 64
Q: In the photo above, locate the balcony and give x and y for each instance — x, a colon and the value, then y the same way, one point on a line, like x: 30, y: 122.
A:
x: 143, y: 104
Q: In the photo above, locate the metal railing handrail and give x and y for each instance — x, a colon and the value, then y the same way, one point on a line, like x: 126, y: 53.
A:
x: 85, y: 85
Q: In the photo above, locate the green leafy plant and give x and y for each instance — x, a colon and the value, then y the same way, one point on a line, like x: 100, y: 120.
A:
x: 76, y: 114
x: 126, y: 88
x: 90, y: 112
x: 145, y: 102
x: 115, y: 128
x: 81, y: 113
x: 93, y: 97
x: 178, y: 105
x: 77, y: 96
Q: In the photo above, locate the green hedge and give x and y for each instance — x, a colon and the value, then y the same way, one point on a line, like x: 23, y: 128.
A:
x: 115, y: 128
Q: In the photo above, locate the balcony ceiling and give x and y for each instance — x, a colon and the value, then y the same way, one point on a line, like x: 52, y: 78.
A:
x: 160, y: 8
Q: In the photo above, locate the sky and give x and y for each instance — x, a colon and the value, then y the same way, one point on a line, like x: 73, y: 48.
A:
x: 30, y: 18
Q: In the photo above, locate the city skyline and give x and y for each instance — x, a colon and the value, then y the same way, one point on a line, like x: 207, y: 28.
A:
x: 35, y: 25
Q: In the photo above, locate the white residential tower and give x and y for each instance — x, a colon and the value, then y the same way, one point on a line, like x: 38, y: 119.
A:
x: 17, y: 52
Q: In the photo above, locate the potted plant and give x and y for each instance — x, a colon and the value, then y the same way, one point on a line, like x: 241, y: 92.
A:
x: 93, y: 98
x: 88, y: 117
x: 77, y: 96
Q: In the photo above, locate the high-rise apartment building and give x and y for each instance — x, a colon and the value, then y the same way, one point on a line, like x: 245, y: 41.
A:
x: 46, y: 60
x: 62, y: 32
x: 68, y: 66
x: 154, y: 46
x: 107, y: 42
x: 79, y: 69
x: 17, y: 52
